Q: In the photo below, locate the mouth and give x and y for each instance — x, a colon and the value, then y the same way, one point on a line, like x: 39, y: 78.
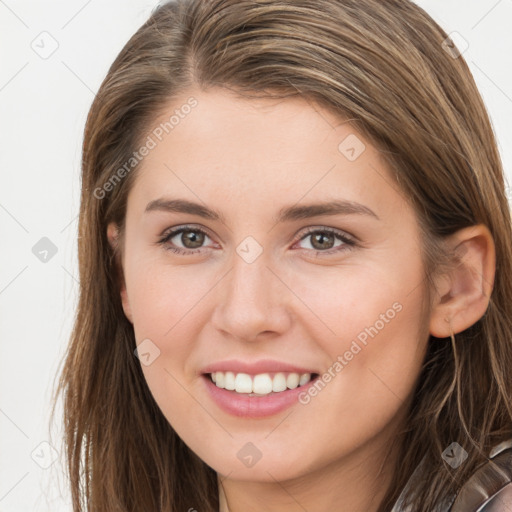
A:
x: 259, y: 385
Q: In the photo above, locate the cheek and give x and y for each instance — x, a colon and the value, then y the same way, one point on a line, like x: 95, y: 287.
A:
x: 379, y: 365
x: 165, y: 304
x: 367, y: 386
x: 357, y: 301
x: 370, y: 324
x: 162, y: 297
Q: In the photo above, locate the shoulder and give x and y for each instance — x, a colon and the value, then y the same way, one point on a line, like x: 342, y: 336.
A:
x: 489, y: 489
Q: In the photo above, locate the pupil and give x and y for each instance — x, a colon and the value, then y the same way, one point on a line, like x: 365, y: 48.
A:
x: 321, y: 236
x: 194, y: 238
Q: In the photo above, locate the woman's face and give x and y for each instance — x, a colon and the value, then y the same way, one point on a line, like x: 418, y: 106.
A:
x: 282, y: 283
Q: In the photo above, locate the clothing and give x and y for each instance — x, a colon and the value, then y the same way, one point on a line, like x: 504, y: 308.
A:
x: 489, y: 489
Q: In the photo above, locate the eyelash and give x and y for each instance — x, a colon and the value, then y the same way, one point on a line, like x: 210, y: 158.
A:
x: 348, y: 242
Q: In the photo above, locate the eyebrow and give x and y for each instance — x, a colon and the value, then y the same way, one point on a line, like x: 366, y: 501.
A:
x: 286, y: 214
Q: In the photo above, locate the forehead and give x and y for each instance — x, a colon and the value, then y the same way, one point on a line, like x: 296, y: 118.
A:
x: 259, y: 151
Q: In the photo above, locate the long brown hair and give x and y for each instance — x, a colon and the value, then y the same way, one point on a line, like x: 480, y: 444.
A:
x: 386, y: 67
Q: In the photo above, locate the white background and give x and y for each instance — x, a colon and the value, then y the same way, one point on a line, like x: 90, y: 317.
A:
x: 44, y: 103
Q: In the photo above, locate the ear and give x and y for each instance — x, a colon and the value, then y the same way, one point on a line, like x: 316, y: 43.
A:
x: 113, y: 239
x: 463, y: 294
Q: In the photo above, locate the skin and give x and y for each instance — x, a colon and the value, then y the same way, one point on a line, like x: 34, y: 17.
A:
x: 247, y: 159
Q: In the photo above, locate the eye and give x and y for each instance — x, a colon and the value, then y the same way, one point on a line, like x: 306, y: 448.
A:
x: 323, y: 240
x: 191, y: 239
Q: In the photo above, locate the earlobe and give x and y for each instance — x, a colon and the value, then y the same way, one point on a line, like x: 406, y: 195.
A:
x: 112, y: 235
x: 113, y: 239
x: 463, y: 294
x: 126, y: 304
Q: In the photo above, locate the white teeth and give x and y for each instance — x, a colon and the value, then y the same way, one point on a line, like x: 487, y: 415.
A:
x: 229, y: 381
x: 279, y: 382
x: 292, y: 381
x: 261, y: 384
x: 243, y: 383
x: 219, y: 379
x: 304, y: 378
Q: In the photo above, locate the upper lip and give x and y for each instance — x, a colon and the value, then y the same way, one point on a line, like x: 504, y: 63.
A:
x: 254, y: 368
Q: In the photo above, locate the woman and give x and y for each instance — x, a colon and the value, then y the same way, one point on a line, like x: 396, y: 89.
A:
x: 295, y: 267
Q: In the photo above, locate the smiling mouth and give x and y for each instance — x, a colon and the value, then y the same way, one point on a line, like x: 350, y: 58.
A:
x: 262, y: 384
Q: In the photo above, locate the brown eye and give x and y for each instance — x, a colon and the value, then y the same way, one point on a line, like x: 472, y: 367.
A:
x: 184, y: 240
x: 322, y: 241
x: 327, y: 240
x: 192, y: 239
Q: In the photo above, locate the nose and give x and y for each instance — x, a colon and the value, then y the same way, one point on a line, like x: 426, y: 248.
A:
x: 252, y: 301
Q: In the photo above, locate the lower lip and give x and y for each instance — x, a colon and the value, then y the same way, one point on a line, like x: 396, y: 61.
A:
x: 243, y: 405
